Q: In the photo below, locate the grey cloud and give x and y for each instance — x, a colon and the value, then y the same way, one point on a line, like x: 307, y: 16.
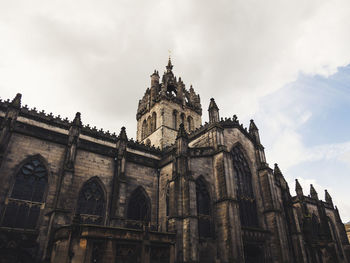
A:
x: 96, y: 57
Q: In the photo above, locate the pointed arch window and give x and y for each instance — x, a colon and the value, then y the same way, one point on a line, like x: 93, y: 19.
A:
x: 190, y: 123
x: 203, y: 209
x: 245, y: 194
x: 149, y: 126
x: 91, y: 203
x: 27, y: 195
x: 175, y: 119
x: 154, y: 121
x: 144, y: 129
x: 139, y: 208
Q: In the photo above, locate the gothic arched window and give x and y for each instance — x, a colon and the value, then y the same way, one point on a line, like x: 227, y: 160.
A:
x: 175, y: 119
x: 91, y: 202
x: 245, y: 194
x: 27, y: 195
x: 190, y: 123
x: 154, y: 121
x: 149, y: 126
x: 203, y: 209
x: 139, y: 207
x: 144, y: 129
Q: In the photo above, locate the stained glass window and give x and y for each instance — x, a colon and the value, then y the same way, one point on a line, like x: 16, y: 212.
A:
x: 91, y: 203
x: 27, y: 196
x: 244, y: 187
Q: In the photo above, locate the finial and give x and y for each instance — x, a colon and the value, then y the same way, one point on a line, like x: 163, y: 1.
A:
x: 122, y: 134
x: 77, y: 120
x: 298, y: 188
x: 328, y: 198
x: 169, y: 67
x: 212, y: 104
x: 313, y: 192
x: 16, y: 102
x: 252, y: 126
x: 277, y: 170
x: 155, y: 73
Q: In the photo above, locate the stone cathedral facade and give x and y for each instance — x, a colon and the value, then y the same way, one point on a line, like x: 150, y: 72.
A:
x: 182, y: 192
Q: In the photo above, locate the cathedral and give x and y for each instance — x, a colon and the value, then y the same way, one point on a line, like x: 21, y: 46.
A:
x: 183, y: 191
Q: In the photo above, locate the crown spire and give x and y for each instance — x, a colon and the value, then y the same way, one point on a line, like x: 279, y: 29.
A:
x: 169, y: 67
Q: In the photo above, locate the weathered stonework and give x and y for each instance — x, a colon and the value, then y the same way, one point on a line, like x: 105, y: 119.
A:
x: 183, y: 192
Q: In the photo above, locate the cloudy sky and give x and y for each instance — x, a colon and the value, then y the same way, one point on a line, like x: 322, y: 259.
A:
x: 284, y: 63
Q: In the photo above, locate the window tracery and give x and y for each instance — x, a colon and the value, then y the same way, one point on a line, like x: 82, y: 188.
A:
x: 91, y: 203
x: 139, y: 207
x: 27, y: 196
x: 245, y: 194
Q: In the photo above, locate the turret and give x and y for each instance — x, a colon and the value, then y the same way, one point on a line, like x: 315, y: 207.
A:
x: 180, y: 91
x: 313, y: 192
x: 328, y: 198
x: 155, y: 79
x: 298, y: 189
x: 254, y: 131
x: 213, y: 111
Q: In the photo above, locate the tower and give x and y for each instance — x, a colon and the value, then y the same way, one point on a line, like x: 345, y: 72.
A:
x: 164, y: 106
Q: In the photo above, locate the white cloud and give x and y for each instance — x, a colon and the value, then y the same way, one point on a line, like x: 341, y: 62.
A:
x: 97, y: 56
